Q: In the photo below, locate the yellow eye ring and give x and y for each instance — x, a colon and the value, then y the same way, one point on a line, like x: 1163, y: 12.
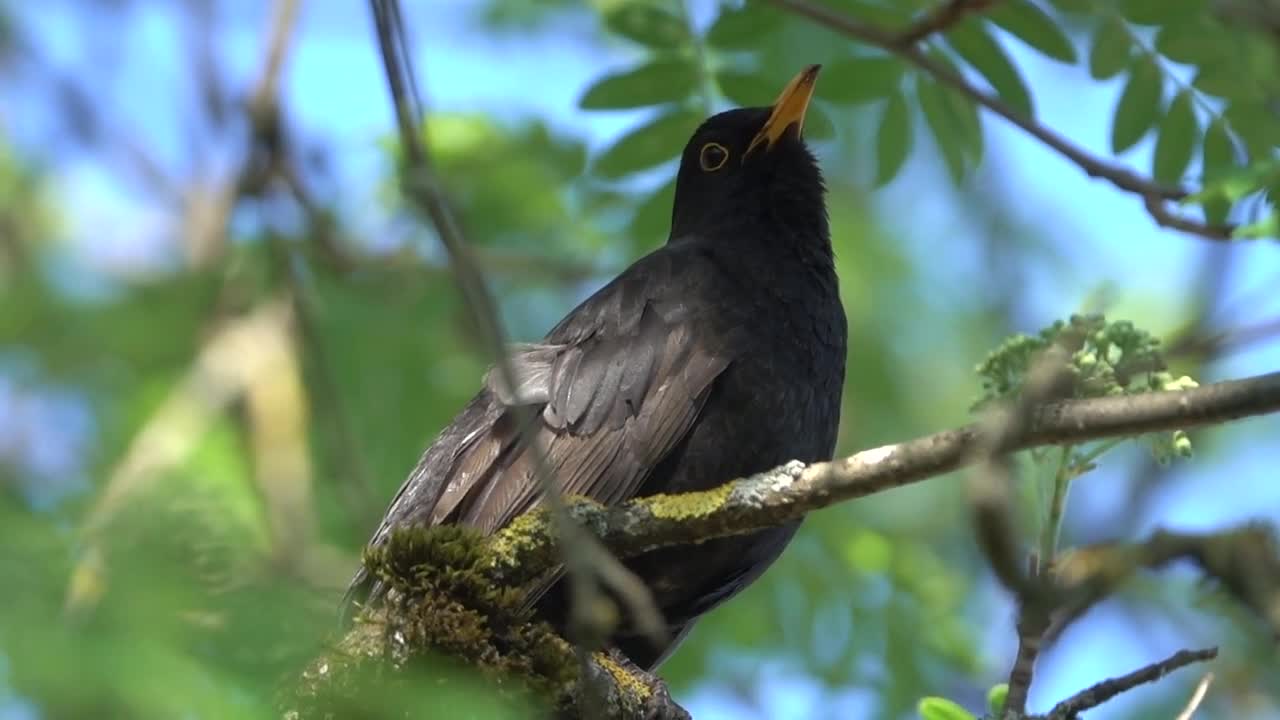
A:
x: 713, y: 156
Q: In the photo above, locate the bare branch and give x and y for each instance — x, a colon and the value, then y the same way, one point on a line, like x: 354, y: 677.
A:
x: 1107, y: 689
x: 942, y: 18
x: 990, y: 487
x: 1154, y: 195
x: 793, y: 490
x: 586, y: 562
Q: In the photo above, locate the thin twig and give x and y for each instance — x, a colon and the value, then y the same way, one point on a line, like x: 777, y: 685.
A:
x: 582, y: 555
x: 1201, y: 345
x: 282, y: 24
x: 1197, y: 697
x: 1154, y: 194
x: 941, y: 19
x: 990, y: 487
x: 1100, y: 693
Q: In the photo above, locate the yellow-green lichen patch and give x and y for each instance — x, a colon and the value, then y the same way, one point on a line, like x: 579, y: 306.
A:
x: 630, y: 685
x: 524, y: 541
x: 687, y: 505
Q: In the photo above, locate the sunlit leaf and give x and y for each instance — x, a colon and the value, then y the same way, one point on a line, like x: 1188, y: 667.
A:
x: 1139, y: 106
x: 1026, y: 21
x: 1267, y: 227
x: 996, y: 698
x: 893, y: 138
x: 972, y: 41
x: 1111, y: 50
x: 858, y: 80
x: 661, y: 81
x: 1179, y: 133
x: 938, y: 708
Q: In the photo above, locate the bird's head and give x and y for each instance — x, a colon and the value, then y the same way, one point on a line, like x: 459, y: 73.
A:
x: 750, y: 166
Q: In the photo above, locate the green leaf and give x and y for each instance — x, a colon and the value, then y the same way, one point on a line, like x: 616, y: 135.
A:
x: 942, y: 123
x: 858, y: 80
x: 938, y: 708
x: 648, y: 25
x: 893, y: 139
x: 879, y: 14
x: 1139, y: 106
x: 652, y: 219
x: 1267, y: 227
x: 660, y: 81
x: 1198, y: 41
x: 1026, y: 21
x: 743, y: 28
x: 1218, y: 155
x: 1179, y: 133
x: 1159, y: 12
x: 972, y: 41
x: 1226, y: 80
x: 818, y: 124
x: 1255, y: 124
x: 1217, y: 159
x: 1112, y: 48
x: 1237, y: 183
x: 648, y: 145
x: 749, y: 89
x: 996, y: 697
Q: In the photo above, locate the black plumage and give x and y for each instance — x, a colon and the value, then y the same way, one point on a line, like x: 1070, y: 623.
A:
x: 718, y: 355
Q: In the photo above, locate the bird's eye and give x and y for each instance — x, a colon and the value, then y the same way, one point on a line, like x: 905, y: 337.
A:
x: 714, y: 156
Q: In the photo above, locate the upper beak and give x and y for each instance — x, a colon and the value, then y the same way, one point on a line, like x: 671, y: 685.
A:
x: 788, y: 110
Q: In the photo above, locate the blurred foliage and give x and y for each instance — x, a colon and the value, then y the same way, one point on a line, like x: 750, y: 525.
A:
x: 181, y: 551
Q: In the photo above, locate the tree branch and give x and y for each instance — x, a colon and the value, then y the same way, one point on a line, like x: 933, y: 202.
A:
x: 525, y: 550
x: 941, y: 19
x: 1096, y: 695
x: 791, y: 491
x: 1153, y: 194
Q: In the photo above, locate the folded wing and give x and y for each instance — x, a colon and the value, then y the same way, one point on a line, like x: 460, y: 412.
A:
x: 614, y: 388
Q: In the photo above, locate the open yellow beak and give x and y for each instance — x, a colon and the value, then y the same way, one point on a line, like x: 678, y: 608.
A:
x: 788, y: 110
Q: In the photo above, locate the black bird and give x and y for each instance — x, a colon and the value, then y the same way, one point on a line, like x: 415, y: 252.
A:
x: 718, y: 355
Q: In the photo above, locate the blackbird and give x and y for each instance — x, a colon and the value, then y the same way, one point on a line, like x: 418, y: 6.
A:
x: 718, y: 355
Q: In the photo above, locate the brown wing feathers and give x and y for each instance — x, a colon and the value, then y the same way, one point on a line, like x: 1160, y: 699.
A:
x: 617, y: 385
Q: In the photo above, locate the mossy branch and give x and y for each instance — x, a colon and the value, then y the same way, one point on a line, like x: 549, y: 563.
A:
x: 461, y: 594
x: 527, y: 547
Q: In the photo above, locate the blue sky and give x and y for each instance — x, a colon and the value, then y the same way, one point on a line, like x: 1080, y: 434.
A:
x: 335, y: 91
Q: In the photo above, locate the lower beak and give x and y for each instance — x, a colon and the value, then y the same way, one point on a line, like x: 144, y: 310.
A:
x: 788, y: 110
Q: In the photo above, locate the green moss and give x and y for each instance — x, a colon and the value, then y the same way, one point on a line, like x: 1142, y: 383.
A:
x: 687, y: 505
x: 442, y: 599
